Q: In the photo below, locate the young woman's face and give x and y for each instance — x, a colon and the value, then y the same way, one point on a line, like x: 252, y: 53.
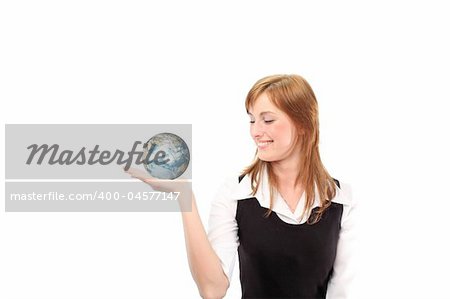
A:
x: 273, y: 132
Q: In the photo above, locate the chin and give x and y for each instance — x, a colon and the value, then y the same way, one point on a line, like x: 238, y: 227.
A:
x: 266, y: 158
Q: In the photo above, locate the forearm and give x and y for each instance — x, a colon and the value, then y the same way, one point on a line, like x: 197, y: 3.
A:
x: 204, y: 263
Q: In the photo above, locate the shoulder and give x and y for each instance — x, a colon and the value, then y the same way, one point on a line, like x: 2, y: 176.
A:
x: 344, y: 196
x: 228, y: 188
x: 229, y: 184
x: 224, y: 202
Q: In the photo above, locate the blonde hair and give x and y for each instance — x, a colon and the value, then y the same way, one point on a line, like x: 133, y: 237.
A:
x: 294, y: 96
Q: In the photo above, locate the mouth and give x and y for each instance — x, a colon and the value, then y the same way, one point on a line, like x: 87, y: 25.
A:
x: 264, y: 144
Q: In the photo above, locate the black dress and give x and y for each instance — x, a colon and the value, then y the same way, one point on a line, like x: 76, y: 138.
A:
x: 282, y: 260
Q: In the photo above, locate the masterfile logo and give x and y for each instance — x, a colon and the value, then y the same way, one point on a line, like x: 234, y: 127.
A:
x: 80, y: 167
x: 52, y: 155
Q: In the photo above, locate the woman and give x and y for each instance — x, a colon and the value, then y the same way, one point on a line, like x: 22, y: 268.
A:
x: 288, y: 220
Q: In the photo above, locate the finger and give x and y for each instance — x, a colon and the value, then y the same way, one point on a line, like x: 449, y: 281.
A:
x: 138, y: 173
x: 146, y: 178
x: 143, y: 175
x: 159, y: 184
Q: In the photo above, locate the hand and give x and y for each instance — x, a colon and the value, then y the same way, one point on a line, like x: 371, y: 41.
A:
x: 183, y: 186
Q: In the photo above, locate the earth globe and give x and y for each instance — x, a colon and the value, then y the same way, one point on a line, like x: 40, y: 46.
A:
x: 166, y: 156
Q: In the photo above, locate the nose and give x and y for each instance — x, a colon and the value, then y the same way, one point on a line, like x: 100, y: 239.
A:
x: 256, y: 130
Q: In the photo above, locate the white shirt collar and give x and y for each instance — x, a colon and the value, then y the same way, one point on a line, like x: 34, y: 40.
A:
x: 244, y: 190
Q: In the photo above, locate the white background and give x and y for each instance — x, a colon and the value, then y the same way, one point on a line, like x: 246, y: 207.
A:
x: 380, y: 71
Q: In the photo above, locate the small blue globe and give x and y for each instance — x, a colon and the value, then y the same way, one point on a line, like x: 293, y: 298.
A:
x: 167, y: 156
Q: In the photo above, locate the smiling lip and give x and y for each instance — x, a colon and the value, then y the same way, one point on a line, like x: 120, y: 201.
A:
x: 262, y: 144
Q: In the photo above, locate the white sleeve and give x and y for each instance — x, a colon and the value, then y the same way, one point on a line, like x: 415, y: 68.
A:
x: 222, y: 226
x: 340, y: 284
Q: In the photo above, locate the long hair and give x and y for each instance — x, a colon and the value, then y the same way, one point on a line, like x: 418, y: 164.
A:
x: 294, y: 96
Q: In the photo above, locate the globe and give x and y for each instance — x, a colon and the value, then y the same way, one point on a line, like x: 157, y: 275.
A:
x: 167, y: 156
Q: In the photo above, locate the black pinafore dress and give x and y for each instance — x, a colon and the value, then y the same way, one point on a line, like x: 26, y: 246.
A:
x: 283, y: 260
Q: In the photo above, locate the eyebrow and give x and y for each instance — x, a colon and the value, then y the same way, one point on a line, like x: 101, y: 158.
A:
x: 264, y: 112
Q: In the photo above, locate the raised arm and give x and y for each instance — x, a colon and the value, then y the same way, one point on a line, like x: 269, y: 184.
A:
x: 205, y: 265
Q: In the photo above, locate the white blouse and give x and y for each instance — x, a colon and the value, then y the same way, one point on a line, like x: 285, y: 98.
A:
x: 223, y: 229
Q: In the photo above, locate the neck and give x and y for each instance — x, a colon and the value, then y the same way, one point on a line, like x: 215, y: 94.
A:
x: 285, y: 172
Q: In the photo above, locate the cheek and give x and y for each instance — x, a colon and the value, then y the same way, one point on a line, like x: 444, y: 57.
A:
x: 283, y: 133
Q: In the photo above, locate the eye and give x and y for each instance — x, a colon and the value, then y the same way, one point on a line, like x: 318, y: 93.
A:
x: 252, y: 121
x: 268, y: 121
